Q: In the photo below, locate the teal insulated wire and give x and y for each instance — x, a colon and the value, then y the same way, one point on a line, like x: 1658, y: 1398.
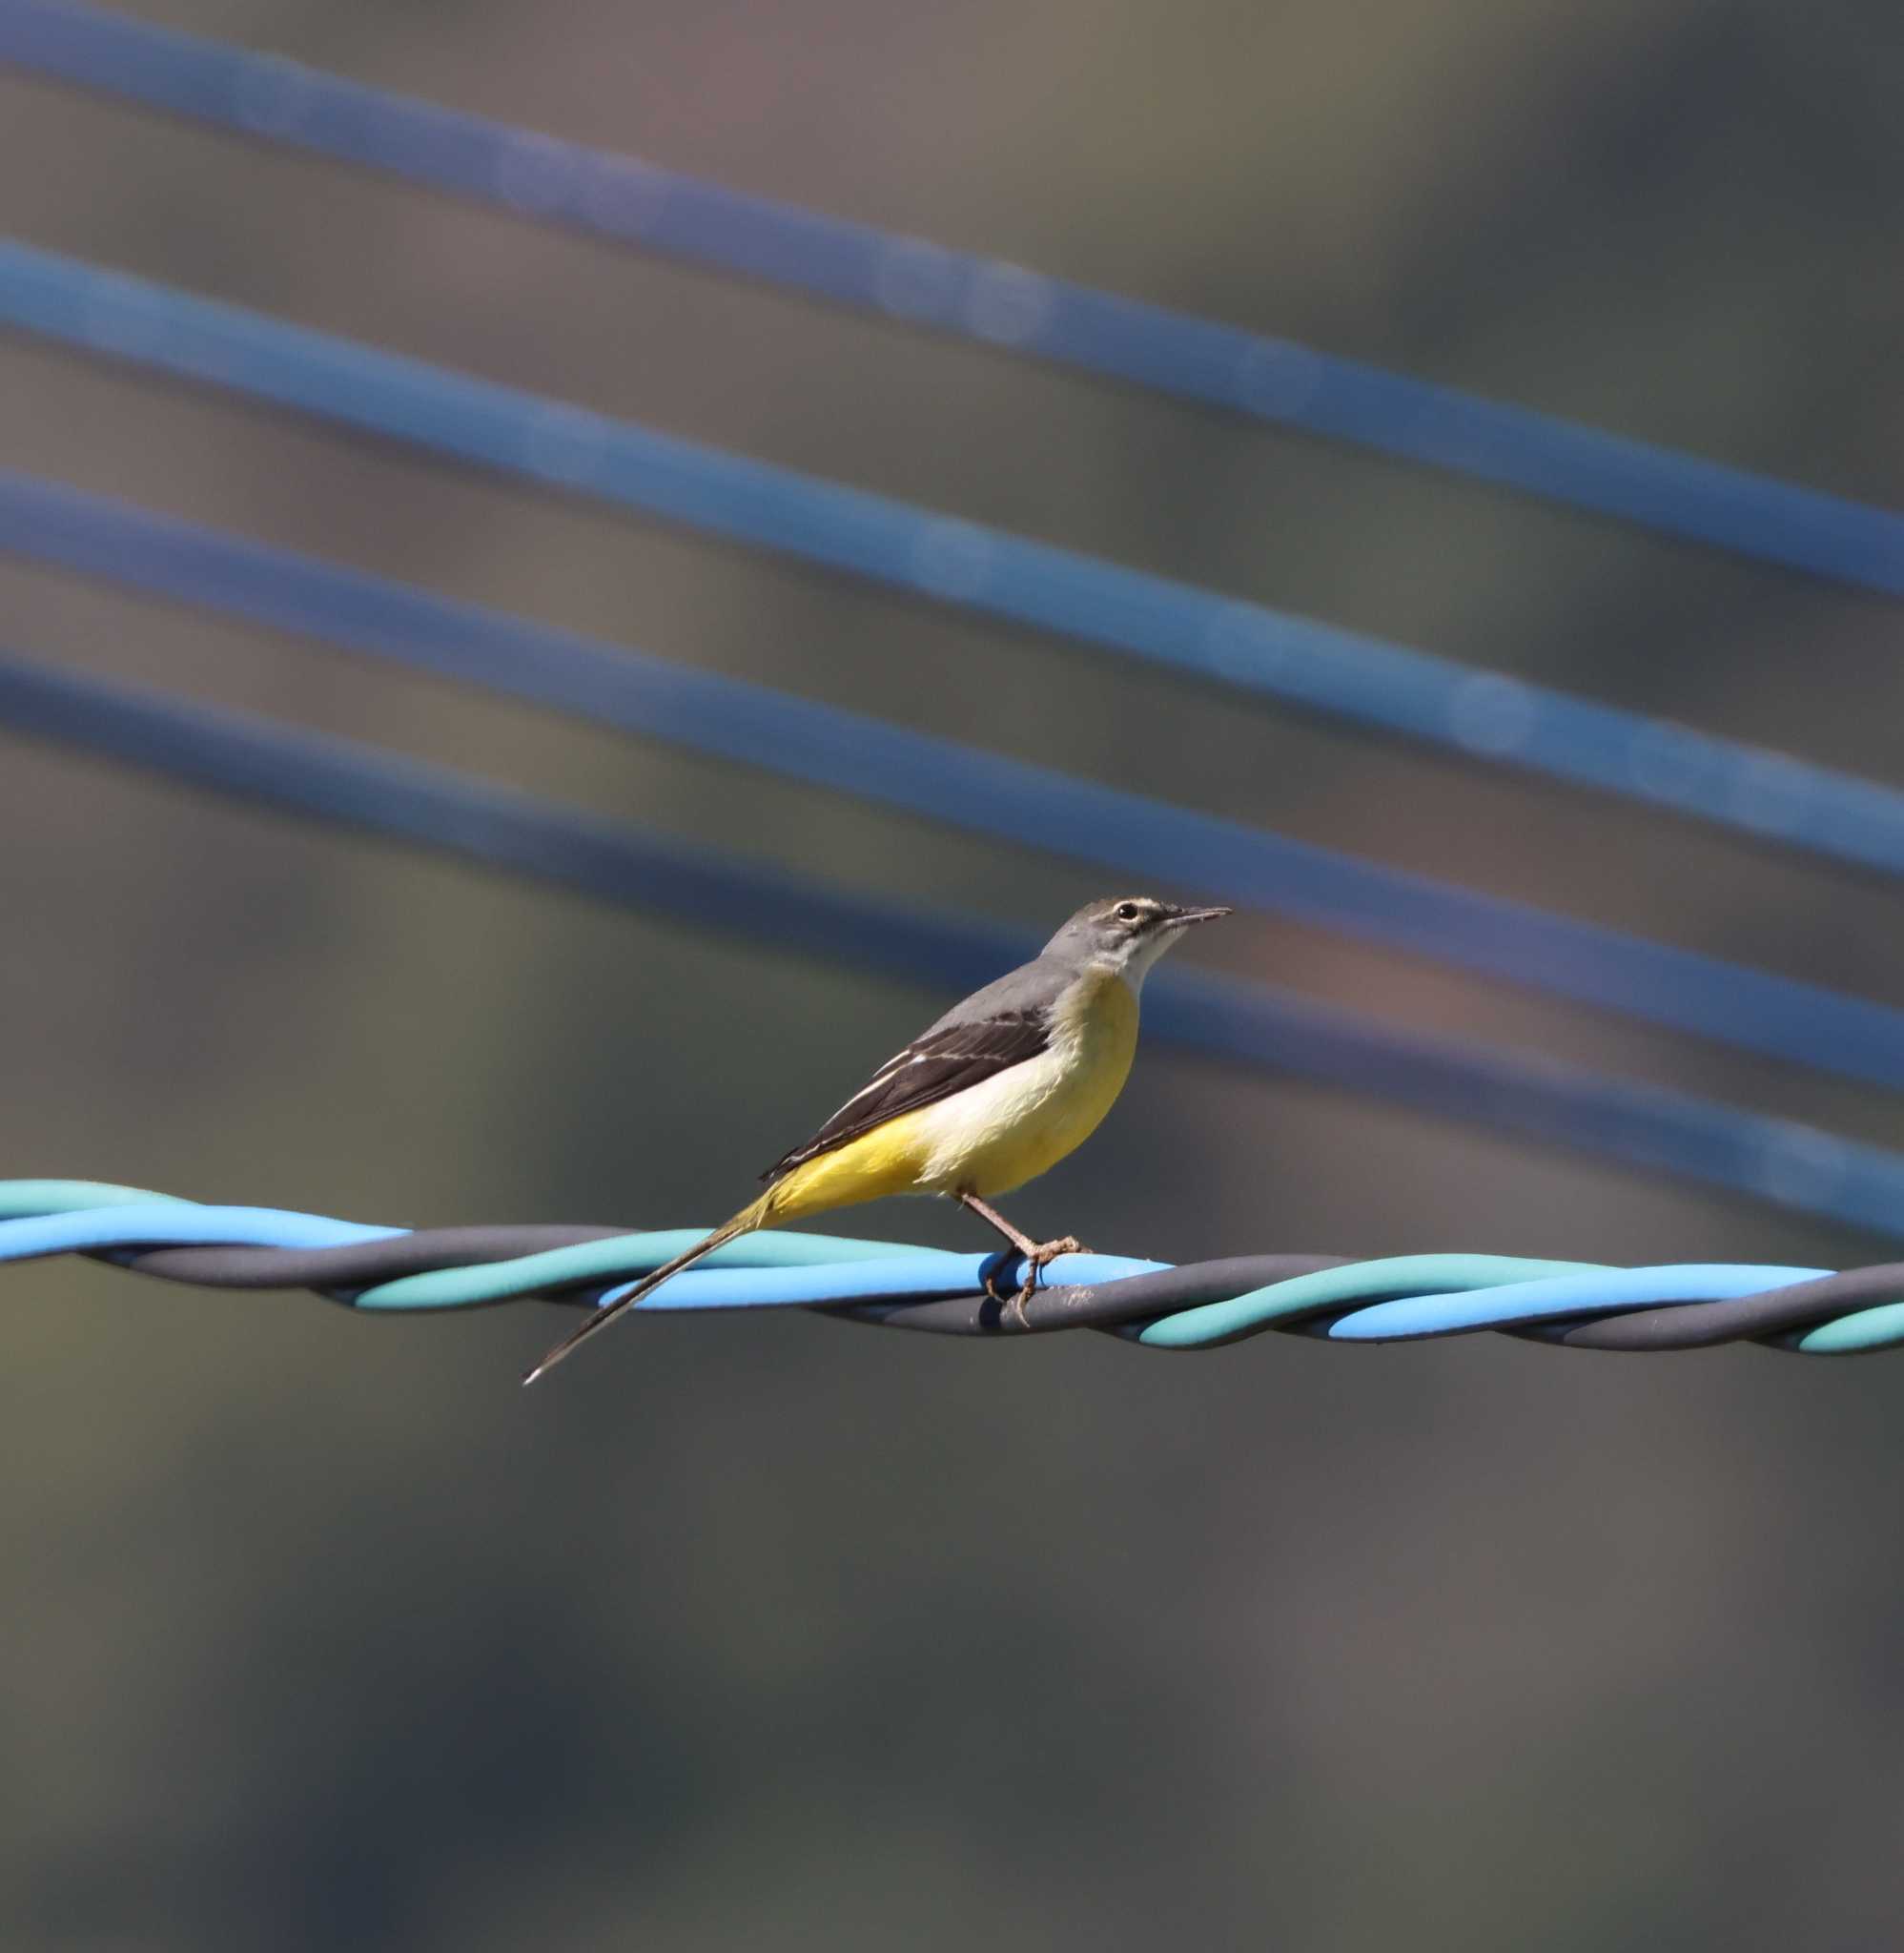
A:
x: 1197, y: 1305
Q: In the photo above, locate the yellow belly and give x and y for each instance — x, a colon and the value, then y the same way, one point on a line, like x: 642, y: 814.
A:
x: 991, y: 1137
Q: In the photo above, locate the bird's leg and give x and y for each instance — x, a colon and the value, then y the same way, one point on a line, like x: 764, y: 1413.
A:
x: 1037, y: 1253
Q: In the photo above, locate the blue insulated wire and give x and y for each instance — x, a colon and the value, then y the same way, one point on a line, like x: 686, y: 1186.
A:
x: 1811, y: 1310
x: 906, y: 1274
x: 1479, y: 715
x: 1590, y: 1291
x: 839, y: 1260
x: 988, y: 794
x: 993, y: 303
x: 158, y: 1220
x: 347, y: 784
x: 1331, y: 1289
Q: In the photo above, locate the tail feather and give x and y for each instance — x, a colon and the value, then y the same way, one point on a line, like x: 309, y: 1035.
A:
x: 744, y: 1222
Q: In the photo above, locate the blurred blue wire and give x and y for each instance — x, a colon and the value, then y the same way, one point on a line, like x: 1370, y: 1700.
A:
x: 1760, y: 794
x: 940, y: 779
x: 1004, y: 305
x: 350, y: 785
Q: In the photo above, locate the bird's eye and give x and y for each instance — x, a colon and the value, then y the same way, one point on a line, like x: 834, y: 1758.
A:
x: 1128, y: 912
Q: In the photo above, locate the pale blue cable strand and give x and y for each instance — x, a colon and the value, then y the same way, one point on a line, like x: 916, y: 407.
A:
x: 1014, y: 310
x: 1389, y: 1299
x: 1484, y: 717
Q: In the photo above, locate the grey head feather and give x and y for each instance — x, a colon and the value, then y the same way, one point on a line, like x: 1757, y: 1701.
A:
x: 1126, y: 934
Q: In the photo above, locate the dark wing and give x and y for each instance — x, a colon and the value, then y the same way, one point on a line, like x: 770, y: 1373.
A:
x: 945, y: 1060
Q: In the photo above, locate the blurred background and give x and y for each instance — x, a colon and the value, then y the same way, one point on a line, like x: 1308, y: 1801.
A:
x: 773, y: 1632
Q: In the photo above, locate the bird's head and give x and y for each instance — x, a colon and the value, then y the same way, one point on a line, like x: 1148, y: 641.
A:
x: 1125, y: 933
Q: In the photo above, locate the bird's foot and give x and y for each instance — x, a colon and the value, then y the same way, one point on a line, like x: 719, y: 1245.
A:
x: 1050, y: 1250
x: 1034, y: 1259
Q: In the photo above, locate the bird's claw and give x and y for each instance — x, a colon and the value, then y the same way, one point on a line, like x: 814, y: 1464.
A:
x: 1034, y: 1259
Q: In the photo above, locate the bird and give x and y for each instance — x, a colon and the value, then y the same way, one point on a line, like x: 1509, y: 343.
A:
x: 991, y: 1095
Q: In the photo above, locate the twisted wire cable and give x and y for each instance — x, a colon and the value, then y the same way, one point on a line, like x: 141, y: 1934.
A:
x: 987, y: 793
x: 1260, y: 1026
x: 1482, y: 716
x: 905, y: 279
x: 1197, y: 1306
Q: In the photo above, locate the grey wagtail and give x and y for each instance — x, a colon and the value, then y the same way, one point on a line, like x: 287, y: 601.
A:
x: 1003, y: 1086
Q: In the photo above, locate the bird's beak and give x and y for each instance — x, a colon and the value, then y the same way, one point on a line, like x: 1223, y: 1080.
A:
x: 1186, y: 917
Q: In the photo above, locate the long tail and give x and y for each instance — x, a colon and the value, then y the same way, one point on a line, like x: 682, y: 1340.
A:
x: 754, y: 1215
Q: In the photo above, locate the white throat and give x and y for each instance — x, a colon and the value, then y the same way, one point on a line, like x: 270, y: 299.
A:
x: 1136, y: 964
